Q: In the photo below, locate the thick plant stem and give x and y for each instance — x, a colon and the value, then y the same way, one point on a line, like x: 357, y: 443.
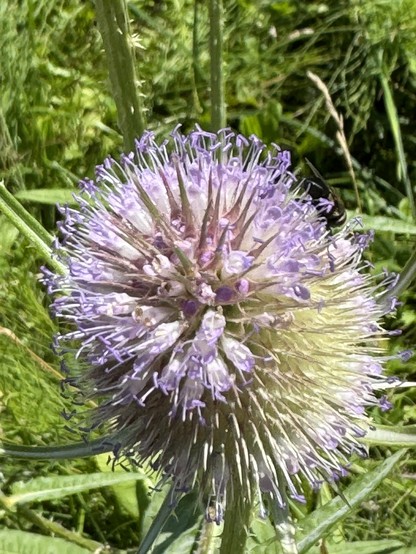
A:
x: 113, y: 23
x: 218, y: 113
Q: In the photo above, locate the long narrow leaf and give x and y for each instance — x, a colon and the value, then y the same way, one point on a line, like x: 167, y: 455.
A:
x: 58, y: 486
x: 400, y: 437
x: 319, y: 523
x: 75, y: 450
x: 21, y: 542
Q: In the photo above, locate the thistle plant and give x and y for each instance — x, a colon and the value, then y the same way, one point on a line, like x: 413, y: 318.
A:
x: 228, y: 337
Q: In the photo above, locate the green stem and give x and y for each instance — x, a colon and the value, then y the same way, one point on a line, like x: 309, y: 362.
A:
x: 20, y: 211
x: 56, y: 529
x: 113, y: 23
x: 397, y: 136
x: 29, y: 226
x: 52, y: 527
x: 218, y: 112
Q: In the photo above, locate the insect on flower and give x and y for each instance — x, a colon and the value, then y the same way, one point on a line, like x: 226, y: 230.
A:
x: 325, y: 199
x: 229, y: 339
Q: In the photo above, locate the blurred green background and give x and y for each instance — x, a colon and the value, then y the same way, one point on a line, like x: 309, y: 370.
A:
x: 58, y: 120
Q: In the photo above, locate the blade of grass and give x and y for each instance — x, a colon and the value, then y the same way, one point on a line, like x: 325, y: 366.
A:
x: 340, y: 135
x: 45, y: 366
x: 397, y: 136
x: 218, y: 115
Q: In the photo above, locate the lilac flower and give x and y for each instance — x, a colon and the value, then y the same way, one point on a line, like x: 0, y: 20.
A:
x: 232, y: 339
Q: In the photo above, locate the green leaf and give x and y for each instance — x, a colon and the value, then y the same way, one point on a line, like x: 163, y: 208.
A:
x: 8, y: 233
x: 124, y: 492
x: 20, y: 542
x: 65, y: 452
x: 402, y: 437
x: 319, y: 523
x: 56, y: 487
x: 47, y: 196
x: 173, y: 528
x: 181, y: 529
x: 388, y: 224
x: 262, y: 539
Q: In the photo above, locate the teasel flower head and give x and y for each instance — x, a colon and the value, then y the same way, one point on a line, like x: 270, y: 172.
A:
x: 229, y: 337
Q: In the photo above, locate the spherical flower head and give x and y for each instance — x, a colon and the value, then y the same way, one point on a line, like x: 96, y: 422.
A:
x: 225, y: 332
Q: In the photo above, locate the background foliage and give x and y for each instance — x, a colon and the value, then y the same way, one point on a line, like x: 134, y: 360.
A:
x: 58, y: 120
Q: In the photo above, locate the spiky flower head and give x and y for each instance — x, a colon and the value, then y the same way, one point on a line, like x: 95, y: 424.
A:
x: 225, y: 332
